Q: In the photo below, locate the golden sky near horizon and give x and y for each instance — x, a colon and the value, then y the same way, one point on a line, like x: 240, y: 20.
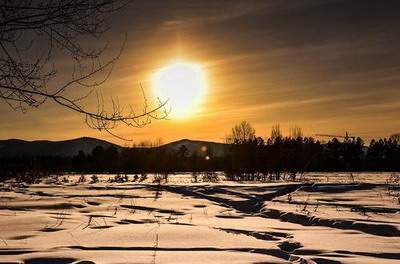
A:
x: 308, y: 64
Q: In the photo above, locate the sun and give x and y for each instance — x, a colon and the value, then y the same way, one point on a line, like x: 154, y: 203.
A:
x: 183, y: 85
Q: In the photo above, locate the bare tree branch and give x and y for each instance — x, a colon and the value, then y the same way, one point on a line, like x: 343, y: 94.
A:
x: 27, y: 75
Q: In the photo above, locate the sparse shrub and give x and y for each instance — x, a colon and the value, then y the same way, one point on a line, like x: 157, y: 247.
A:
x: 135, y: 178
x: 210, y: 176
x: 291, y: 176
x: 119, y: 178
x: 94, y: 179
x: 157, y: 178
x: 393, y: 187
x: 165, y: 177
x: 65, y: 180
x: 195, y: 176
x: 230, y: 176
x: 351, y: 178
x: 82, y: 179
x: 143, y: 177
x: 30, y: 177
x: 305, y: 207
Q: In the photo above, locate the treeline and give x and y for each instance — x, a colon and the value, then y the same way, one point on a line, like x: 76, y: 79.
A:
x: 133, y: 160
x: 145, y: 160
x: 253, y: 158
x: 247, y: 157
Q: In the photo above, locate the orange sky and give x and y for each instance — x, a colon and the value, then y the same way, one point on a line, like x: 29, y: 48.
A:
x: 268, y: 63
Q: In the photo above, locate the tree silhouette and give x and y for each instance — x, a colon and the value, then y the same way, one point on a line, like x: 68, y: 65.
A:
x: 395, y: 137
x: 242, y: 133
x: 296, y: 132
x: 32, y: 33
x: 276, y: 133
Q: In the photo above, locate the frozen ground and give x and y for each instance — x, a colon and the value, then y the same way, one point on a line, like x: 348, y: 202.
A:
x: 329, y: 218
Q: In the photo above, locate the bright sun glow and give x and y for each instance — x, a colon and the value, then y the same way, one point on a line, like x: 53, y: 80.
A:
x: 183, y: 85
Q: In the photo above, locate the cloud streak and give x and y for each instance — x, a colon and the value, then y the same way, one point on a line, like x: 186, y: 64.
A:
x: 329, y: 66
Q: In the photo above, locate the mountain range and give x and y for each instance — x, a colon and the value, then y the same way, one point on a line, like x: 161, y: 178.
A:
x: 69, y: 148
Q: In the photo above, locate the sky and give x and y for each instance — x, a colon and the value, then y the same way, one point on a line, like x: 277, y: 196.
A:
x: 326, y: 66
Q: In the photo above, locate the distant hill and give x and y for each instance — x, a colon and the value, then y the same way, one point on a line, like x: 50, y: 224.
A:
x: 217, y: 149
x: 69, y: 148
x: 65, y: 148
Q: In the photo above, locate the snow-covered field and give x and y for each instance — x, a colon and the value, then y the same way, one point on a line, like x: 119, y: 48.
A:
x: 328, y: 218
